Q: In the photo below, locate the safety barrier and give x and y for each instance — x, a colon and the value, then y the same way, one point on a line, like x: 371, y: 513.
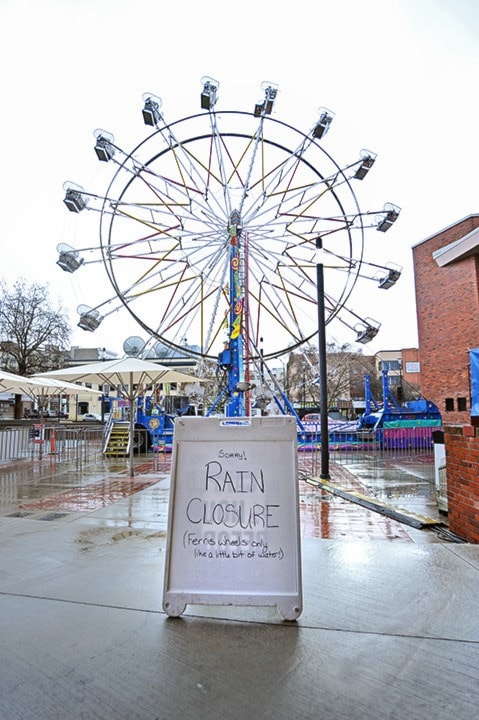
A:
x: 383, y: 443
x: 80, y: 443
x: 72, y: 443
x: 14, y: 442
x: 375, y: 449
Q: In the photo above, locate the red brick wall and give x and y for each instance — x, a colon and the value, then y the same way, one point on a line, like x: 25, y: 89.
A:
x: 410, y: 355
x: 462, y: 471
x: 448, y: 320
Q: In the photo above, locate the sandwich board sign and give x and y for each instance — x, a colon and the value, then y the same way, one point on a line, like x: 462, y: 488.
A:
x: 233, y: 523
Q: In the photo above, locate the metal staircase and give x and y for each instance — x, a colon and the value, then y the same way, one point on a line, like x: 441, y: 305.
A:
x: 117, y: 441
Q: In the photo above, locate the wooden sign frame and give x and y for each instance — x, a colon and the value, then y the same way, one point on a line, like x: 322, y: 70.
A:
x: 233, y: 524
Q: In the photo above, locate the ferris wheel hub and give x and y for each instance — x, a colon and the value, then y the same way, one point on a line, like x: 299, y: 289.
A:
x: 234, y: 225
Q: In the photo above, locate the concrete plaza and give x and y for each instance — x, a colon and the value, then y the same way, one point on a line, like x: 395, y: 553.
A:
x: 389, y: 629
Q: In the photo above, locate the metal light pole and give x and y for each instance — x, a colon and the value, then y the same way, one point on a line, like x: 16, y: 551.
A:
x: 323, y: 381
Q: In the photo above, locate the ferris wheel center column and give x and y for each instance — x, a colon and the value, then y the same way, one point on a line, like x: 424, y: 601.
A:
x: 235, y: 406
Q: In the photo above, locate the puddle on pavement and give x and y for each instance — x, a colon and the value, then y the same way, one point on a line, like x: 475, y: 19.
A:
x: 100, y: 536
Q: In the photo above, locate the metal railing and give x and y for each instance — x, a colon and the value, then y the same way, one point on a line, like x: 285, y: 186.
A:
x: 374, y: 448
x: 81, y: 444
x: 71, y: 443
x: 14, y: 442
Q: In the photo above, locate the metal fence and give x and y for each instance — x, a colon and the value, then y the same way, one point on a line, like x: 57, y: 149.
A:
x: 376, y: 449
x: 60, y: 443
x: 80, y: 443
x: 14, y: 442
x: 383, y: 442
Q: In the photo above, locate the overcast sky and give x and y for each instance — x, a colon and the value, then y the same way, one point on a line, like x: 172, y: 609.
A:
x: 399, y: 74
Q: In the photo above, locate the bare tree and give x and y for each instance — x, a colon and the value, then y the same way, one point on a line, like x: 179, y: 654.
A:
x: 345, y: 374
x: 34, y: 335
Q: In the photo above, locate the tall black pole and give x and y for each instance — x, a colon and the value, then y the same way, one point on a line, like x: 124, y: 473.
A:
x: 323, y: 378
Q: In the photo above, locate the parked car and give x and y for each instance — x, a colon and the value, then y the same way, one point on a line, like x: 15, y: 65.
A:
x: 55, y: 414
x: 52, y: 414
x: 92, y: 417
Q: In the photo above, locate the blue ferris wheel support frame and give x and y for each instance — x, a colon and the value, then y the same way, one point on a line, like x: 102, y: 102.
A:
x: 236, y: 403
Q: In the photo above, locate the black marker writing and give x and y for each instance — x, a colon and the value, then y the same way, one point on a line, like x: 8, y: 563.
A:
x: 240, y: 481
x: 231, y: 515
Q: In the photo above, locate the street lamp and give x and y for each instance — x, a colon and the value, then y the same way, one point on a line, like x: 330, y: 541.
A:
x: 323, y: 381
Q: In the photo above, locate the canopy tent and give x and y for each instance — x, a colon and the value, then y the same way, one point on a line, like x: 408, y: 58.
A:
x: 11, y: 383
x: 130, y: 376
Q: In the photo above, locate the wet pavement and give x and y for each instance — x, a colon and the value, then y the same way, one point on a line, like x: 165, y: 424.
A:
x: 389, y: 628
x: 47, y: 489
x: 406, y: 481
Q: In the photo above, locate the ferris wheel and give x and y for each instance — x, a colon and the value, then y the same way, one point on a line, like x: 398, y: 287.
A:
x: 210, y: 230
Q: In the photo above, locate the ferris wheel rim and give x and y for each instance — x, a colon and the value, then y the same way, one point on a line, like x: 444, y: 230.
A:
x: 196, y: 138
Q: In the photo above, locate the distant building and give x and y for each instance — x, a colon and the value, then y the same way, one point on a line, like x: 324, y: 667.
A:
x: 404, y: 371
x: 446, y: 269
x: 411, y: 367
x: 80, y: 355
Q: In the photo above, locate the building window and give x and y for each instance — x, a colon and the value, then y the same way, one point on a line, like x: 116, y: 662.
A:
x: 449, y: 404
x: 393, y: 365
x: 462, y: 403
x: 4, y: 408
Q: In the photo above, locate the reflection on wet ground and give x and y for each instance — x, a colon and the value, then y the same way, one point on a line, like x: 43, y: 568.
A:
x: 44, y: 489
x: 405, y: 482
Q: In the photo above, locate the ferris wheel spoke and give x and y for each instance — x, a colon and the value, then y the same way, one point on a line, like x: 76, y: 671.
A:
x: 194, y: 209
x: 181, y: 147
x: 272, y: 312
x: 186, y: 293
x: 277, y: 299
x: 270, y: 180
x: 182, y: 312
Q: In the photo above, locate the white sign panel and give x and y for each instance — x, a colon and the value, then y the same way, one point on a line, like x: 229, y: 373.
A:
x: 233, y: 528
x: 413, y: 367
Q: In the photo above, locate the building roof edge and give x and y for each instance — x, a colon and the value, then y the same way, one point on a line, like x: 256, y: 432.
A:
x: 448, y: 227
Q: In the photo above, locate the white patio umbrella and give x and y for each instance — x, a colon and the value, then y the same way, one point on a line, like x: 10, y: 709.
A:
x: 16, y: 384
x: 36, y: 387
x: 9, y: 382
x: 129, y: 376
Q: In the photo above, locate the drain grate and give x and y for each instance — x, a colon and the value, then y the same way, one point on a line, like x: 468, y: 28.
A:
x: 53, y: 516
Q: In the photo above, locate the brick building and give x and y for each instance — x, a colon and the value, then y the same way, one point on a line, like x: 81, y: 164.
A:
x: 411, y: 367
x: 446, y: 268
x: 404, y: 371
